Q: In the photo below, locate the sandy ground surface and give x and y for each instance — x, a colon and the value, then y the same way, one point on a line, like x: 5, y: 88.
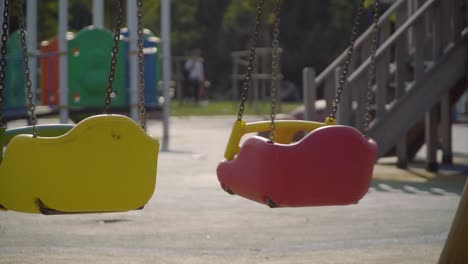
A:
x: 405, y: 217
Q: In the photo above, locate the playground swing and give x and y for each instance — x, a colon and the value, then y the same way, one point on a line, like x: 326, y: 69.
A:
x: 105, y: 163
x: 331, y: 165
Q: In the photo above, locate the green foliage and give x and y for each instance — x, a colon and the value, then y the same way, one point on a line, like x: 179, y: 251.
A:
x: 313, y: 32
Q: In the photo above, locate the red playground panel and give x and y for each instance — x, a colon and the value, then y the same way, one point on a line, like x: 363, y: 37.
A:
x: 49, y: 72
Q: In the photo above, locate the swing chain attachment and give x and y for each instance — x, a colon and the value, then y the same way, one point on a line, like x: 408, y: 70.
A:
x: 115, y: 50
x: 345, y: 67
x: 253, y: 46
x: 3, y: 51
x: 141, y: 76
x: 275, y: 69
x: 27, y: 71
x: 372, y: 69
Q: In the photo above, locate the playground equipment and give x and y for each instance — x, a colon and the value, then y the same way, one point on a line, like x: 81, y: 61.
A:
x: 152, y: 66
x: 106, y: 163
x: 88, y: 58
x: 14, y: 97
x: 332, y: 165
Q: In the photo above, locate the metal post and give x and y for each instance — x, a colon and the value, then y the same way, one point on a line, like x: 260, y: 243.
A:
x: 132, y: 58
x: 382, y: 87
x: 180, y: 79
x: 31, y: 28
x: 401, y: 75
x: 446, y: 129
x: 431, y: 139
x: 309, y: 89
x: 166, y: 52
x: 255, y: 81
x: 63, y: 60
x: 402, y: 152
x: 361, y: 85
x: 344, y: 109
x: 98, y: 13
x: 234, y: 81
x: 2, y: 131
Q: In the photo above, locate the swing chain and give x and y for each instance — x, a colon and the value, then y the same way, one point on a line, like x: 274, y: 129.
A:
x: 253, y: 45
x: 345, y: 66
x: 3, y: 52
x: 115, y: 50
x: 372, y: 69
x: 27, y: 70
x: 141, y: 77
x: 275, y: 69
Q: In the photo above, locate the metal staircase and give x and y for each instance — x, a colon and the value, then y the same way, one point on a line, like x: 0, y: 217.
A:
x: 421, y: 66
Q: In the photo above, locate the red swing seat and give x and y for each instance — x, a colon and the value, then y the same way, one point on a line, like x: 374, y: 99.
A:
x: 332, y: 165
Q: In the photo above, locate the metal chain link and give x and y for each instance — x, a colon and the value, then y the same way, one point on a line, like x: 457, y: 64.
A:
x: 3, y: 51
x: 141, y: 69
x: 27, y: 71
x: 372, y: 69
x: 253, y: 46
x: 345, y: 67
x: 115, y: 50
x: 274, y: 69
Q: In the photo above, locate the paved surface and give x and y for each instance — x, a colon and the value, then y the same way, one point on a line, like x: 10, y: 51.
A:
x: 404, y: 219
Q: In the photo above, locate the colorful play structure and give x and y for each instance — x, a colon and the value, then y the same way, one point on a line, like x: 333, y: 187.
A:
x: 72, y: 66
x: 88, y: 61
x: 379, y: 89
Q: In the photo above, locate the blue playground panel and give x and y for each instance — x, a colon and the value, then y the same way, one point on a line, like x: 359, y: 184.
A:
x: 151, y: 65
x: 15, y: 89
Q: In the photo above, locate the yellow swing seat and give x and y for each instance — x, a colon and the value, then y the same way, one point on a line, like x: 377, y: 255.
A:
x: 106, y: 163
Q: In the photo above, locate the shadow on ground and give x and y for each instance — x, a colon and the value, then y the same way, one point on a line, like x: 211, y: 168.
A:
x: 449, y: 179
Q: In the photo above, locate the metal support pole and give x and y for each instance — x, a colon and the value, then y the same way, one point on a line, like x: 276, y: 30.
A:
x: 345, y: 108
x: 166, y: 52
x: 31, y: 28
x: 431, y: 139
x: 63, y: 60
x: 401, y: 76
x: 234, y: 81
x: 98, y: 13
x: 133, y: 58
x: 402, y: 153
x: 446, y: 129
x: 310, y: 97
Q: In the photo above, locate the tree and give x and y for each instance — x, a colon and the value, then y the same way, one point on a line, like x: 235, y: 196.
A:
x: 312, y: 32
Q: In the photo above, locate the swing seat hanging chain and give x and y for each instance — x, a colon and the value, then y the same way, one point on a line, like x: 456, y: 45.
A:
x: 141, y: 69
x: 275, y: 76
x: 253, y: 46
x: 113, y: 65
x: 275, y: 64
x: 27, y: 71
x: 3, y: 51
x: 114, y: 52
x: 372, y: 68
x: 345, y: 66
